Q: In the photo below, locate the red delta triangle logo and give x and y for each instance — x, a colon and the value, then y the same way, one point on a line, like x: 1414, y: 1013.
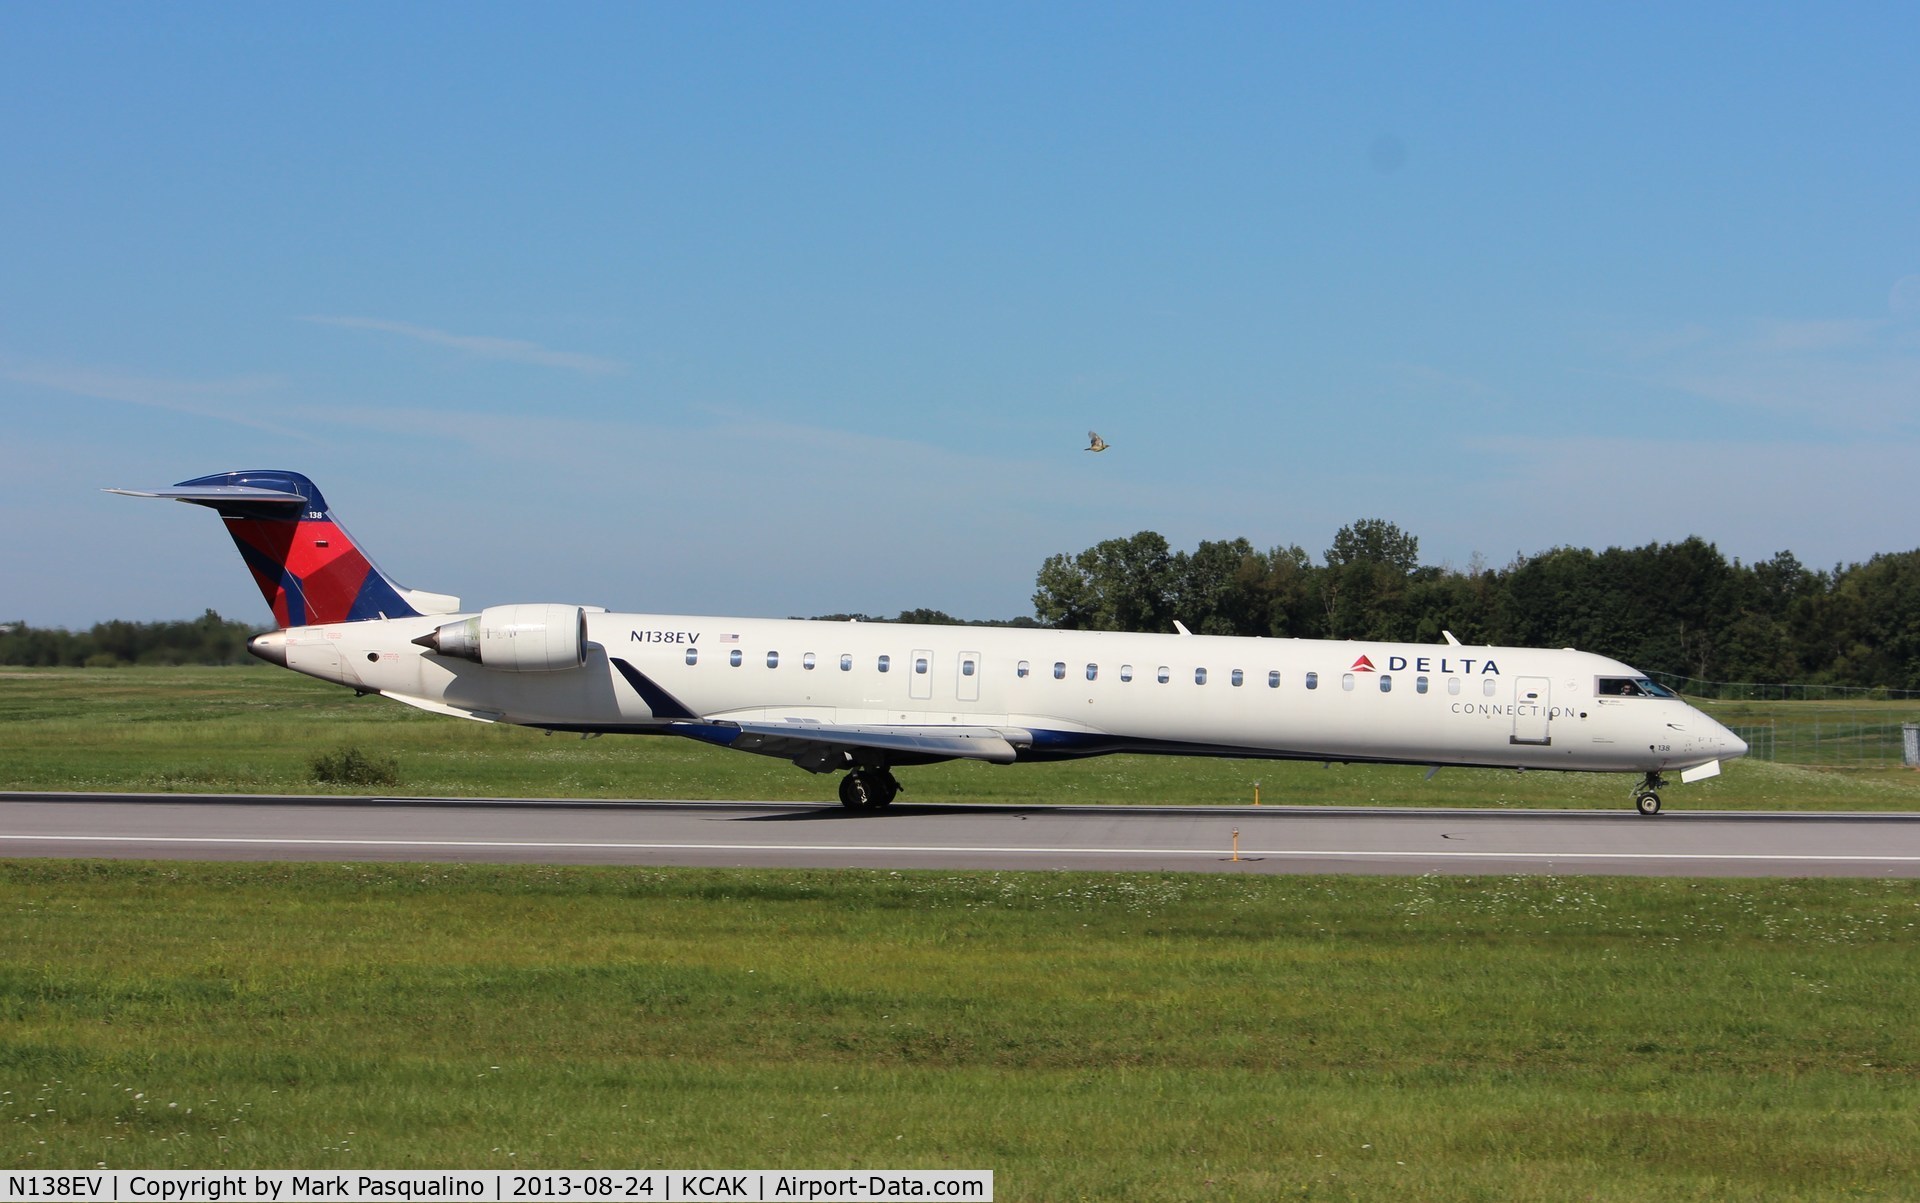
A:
x: 1363, y: 665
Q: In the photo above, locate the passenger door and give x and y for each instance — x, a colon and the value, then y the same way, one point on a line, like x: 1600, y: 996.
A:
x: 1531, y: 710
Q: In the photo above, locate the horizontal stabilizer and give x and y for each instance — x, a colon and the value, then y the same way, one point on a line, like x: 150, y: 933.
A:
x: 216, y: 494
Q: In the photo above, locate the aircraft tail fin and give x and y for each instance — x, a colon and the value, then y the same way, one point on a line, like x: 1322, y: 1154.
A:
x: 307, y: 566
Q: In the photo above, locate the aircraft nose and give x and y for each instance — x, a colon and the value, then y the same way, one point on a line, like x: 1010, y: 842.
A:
x: 271, y: 647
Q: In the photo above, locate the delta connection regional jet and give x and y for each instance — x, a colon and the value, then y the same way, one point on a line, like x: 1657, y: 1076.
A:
x: 867, y: 698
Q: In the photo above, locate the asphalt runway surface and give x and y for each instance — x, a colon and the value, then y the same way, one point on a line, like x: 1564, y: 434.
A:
x: 1242, y: 839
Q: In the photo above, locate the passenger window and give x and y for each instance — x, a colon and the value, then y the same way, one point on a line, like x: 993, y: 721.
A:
x: 966, y: 668
x: 1386, y: 682
x: 693, y: 655
x: 920, y: 666
x: 773, y: 659
x: 733, y: 657
x: 1419, y: 685
x: 1346, y: 682
x: 1199, y: 676
x: 1486, y: 687
x: 1273, y: 679
x: 806, y: 662
x: 1239, y: 678
x: 1165, y: 675
x: 846, y: 664
x: 1453, y: 686
x: 1313, y: 680
x: 886, y: 662
x: 1059, y: 670
x: 1126, y: 672
x: 1020, y: 669
x: 1093, y: 670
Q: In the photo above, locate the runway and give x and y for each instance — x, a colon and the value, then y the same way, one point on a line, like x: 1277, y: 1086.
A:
x: 1271, y: 839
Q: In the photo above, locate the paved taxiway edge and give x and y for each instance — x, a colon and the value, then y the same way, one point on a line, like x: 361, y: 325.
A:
x: 1471, y: 814
x: 1292, y: 839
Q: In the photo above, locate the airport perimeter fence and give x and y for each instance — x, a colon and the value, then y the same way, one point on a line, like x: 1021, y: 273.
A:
x: 1774, y: 691
x: 1831, y: 726
x: 1834, y: 740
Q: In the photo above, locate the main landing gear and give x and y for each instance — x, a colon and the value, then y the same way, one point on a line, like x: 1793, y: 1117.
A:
x: 868, y: 789
x: 1645, y: 800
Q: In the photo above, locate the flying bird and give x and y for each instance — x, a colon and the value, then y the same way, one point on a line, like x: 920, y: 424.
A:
x: 1096, y: 443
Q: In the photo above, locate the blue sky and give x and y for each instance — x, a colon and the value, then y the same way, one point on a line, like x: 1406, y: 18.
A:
x: 791, y: 309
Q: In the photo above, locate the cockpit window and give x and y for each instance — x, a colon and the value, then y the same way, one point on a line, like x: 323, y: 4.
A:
x: 1630, y: 687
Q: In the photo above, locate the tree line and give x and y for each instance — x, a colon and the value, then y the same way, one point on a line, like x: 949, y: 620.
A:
x: 1675, y: 609
x: 208, y: 639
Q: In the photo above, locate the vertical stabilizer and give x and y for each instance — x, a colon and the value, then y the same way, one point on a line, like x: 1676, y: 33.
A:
x: 307, y: 566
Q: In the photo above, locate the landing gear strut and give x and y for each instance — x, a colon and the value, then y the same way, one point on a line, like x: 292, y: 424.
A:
x: 1645, y: 800
x: 868, y: 789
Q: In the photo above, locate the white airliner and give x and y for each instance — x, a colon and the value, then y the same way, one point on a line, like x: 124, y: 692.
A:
x: 866, y: 698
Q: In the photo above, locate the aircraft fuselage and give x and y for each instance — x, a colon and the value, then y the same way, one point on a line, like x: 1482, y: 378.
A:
x: 1059, y: 693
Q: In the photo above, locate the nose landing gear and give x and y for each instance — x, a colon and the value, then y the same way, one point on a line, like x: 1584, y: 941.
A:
x: 868, y: 789
x: 1645, y: 799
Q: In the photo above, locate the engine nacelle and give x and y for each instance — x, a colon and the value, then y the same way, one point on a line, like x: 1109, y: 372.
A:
x: 526, y: 639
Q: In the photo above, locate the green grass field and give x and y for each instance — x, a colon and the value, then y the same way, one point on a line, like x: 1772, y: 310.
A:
x: 258, y: 730
x: 1085, y: 1036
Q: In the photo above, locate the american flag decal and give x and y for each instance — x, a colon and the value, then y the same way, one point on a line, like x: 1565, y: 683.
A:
x: 729, y: 638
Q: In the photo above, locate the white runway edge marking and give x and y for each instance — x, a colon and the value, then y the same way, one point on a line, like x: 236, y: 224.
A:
x: 1245, y: 853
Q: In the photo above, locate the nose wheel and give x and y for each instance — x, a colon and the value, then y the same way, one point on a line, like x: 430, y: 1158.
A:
x: 868, y: 789
x: 1646, y: 798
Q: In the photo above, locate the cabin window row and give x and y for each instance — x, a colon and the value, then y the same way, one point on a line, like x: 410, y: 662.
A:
x: 1163, y: 674
x: 1238, y: 677
x: 884, y: 663
x: 809, y: 661
x: 1421, y: 684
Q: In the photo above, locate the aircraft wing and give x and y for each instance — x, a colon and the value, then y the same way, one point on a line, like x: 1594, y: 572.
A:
x: 803, y: 741
x: 794, y: 740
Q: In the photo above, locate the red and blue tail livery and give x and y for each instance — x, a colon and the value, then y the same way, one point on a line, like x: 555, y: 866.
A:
x: 307, y: 566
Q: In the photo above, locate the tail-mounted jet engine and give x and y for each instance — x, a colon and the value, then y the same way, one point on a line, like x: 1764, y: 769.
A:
x: 527, y: 639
